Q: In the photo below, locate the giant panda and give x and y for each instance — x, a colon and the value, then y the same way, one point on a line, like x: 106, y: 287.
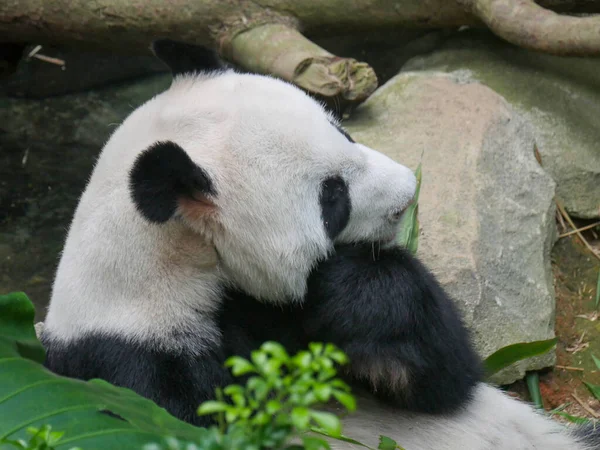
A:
x: 233, y: 209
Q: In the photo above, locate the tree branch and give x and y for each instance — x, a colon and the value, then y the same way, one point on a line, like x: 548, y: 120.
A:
x: 264, y: 35
x: 284, y: 52
x: 528, y: 25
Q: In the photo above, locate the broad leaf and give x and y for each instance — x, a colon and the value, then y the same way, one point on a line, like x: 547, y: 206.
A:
x: 512, y: 353
x: 17, y: 334
x: 92, y: 415
x: 385, y: 443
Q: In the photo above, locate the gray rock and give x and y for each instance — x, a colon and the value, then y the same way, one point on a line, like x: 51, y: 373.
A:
x: 486, y: 206
x: 48, y: 149
x: 560, y: 96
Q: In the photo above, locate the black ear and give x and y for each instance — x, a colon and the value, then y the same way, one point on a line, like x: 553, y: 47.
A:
x: 185, y: 58
x: 164, y: 174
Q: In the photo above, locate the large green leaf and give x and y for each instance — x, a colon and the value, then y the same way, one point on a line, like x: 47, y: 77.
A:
x: 31, y: 396
x: 512, y: 353
x: 17, y: 334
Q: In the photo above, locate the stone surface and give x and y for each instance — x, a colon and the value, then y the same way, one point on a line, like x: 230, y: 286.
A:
x: 560, y: 96
x: 47, y: 152
x: 486, y: 206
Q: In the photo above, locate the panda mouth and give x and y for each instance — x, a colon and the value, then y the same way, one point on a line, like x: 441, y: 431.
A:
x: 388, y: 240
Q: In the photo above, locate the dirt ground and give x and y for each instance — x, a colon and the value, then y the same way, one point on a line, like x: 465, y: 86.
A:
x: 577, y: 327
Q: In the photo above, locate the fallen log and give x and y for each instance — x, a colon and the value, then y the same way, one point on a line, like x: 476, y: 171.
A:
x: 269, y: 36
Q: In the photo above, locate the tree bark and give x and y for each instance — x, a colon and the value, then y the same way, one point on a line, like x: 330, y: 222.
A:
x: 528, y: 25
x: 265, y: 35
x: 131, y: 24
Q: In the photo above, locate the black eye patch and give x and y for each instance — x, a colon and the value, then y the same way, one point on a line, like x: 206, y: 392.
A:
x: 335, y: 205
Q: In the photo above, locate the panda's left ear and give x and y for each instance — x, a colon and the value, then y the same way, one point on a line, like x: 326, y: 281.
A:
x: 164, y: 177
x: 183, y: 58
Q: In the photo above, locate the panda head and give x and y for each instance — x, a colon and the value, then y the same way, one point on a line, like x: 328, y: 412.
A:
x: 261, y: 171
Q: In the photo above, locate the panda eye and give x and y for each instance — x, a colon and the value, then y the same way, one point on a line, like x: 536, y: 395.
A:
x: 333, y: 190
x: 335, y: 205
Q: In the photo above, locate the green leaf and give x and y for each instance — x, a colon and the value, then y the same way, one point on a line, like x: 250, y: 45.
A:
x: 271, y: 368
x: 302, y: 359
x: 594, y: 389
x: 533, y: 384
x: 236, y: 393
x: 345, y: 399
x: 573, y: 419
x: 596, y: 361
x: 300, y: 417
x: 337, y: 355
x: 385, y: 443
x: 323, y: 392
x: 211, y: 407
x: 275, y: 349
x: 413, y: 243
x: 17, y: 332
x: 261, y: 418
x: 259, y: 386
x: 408, y: 230
x: 32, y: 396
x: 316, y: 348
x: 272, y: 407
x: 341, y: 437
x: 231, y: 415
x: 239, y: 366
x: 313, y: 443
x: 330, y: 423
x: 516, y: 352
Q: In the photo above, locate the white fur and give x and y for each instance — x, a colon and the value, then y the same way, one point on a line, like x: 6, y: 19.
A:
x: 267, y: 146
x: 493, y: 421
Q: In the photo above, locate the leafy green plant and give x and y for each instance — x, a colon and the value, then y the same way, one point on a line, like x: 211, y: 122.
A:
x: 31, y: 396
x: 41, y: 439
x: 276, y: 406
x: 278, y: 401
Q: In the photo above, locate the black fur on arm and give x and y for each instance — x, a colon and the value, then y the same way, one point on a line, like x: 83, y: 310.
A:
x: 175, y: 380
x: 404, y: 336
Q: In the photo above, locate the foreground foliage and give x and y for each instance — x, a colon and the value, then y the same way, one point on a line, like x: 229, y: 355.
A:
x: 277, y: 404
x: 275, y: 409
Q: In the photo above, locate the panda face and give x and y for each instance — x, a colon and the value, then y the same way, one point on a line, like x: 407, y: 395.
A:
x: 266, y: 175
